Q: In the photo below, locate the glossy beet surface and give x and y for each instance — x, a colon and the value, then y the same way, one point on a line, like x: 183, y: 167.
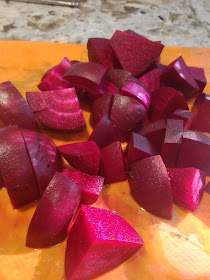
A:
x: 99, y: 240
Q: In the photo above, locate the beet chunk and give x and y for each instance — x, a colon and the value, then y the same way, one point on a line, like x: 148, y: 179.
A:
x: 199, y: 100
x: 199, y: 76
x: 201, y: 121
x: 150, y: 186
x: 99, y: 240
x: 1, y: 181
x: 151, y: 79
x: 118, y: 77
x: 180, y: 114
x: 187, y: 186
x: 56, y: 208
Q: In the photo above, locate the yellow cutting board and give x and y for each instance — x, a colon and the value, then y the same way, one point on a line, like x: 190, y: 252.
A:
x: 176, y: 249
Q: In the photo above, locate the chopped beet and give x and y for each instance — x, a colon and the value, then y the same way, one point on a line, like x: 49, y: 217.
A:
x: 90, y: 185
x: 199, y: 76
x: 201, y: 121
x: 112, y: 163
x: 103, y: 133
x: 48, y: 72
x: 133, y: 33
x: 135, y: 53
x: 180, y: 114
x: 172, y: 143
x: 118, y: 77
x: 16, y: 168
x: 207, y: 188
x: 1, y: 181
x: 57, y: 109
x: 99, y: 240
x: 150, y: 186
x: 160, y: 67
x: 164, y: 102
x: 106, y: 87
x: 14, y: 109
x: 187, y: 186
x: 178, y: 76
x: 151, y: 79
x: 56, y: 208
x: 84, y: 156
x: 53, y: 79
x: 126, y: 116
x: 199, y: 100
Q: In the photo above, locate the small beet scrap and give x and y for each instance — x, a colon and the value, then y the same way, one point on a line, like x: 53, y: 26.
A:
x: 150, y: 186
x: 99, y: 240
x: 14, y: 110
x: 151, y: 79
x: 84, y: 156
x: 57, y: 109
x: 199, y: 76
x: 180, y: 114
x: 90, y: 185
x: 172, y: 143
x: 135, y: 53
x: 118, y: 77
x: 112, y: 163
x: 56, y: 208
x: 187, y: 186
x: 201, y: 121
x: 53, y: 79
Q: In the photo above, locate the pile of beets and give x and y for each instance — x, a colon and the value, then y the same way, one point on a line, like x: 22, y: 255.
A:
x: 135, y: 99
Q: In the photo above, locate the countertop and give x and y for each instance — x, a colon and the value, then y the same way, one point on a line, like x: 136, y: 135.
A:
x: 175, y: 22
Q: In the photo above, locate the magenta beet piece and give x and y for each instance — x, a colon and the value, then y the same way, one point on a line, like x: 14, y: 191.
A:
x: 151, y: 79
x: 100, y: 51
x: 44, y: 157
x: 1, y: 181
x: 172, y: 143
x: 84, y: 156
x: 160, y: 67
x: 16, y: 168
x: 207, y: 188
x: 106, y: 87
x: 135, y: 53
x: 48, y: 72
x: 201, y: 121
x: 53, y: 79
x: 99, y: 240
x: 178, y: 76
x: 165, y: 101
x: 90, y: 185
x: 180, y: 114
x: 57, y: 109
x: 139, y: 147
x: 103, y: 133
x: 126, y: 116
x: 56, y: 208
x: 199, y: 76
x: 187, y: 186
x: 112, y: 163
x: 118, y: 77
x: 155, y: 132
x: 14, y: 109
x: 199, y: 100
x: 150, y: 186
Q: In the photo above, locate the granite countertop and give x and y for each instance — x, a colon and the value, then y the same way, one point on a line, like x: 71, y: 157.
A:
x: 175, y: 22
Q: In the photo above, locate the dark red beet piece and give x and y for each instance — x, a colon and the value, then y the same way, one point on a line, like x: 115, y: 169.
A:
x: 135, y: 53
x: 112, y: 166
x: 48, y: 72
x: 187, y: 186
x: 133, y: 33
x: 151, y: 79
x: 207, y: 188
x: 84, y: 156
x: 106, y: 87
x: 14, y: 109
x: 150, y: 186
x: 199, y: 76
x: 164, y: 102
x: 172, y: 143
x: 199, y: 100
x: 56, y: 208
x: 201, y: 121
x: 160, y: 67
x: 103, y: 133
x: 126, y: 116
x: 180, y: 114
x: 1, y: 181
x: 57, y: 109
x: 16, y: 168
x: 99, y: 240
x: 90, y: 185
x: 177, y: 75
x: 118, y: 77
x: 53, y: 79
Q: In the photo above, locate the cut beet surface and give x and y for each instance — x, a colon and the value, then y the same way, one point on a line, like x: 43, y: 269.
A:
x: 14, y: 109
x: 199, y: 100
x: 16, y: 168
x: 90, y: 185
x: 84, y: 156
x: 56, y: 208
x: 151, y: 79
x: 106, y: 87
x: 207, y: 188
x: 150, y: 186
x: 57, y: 109
x: 201, y: 121
x: 199, y: 76
x: 99, y: 240
x: 180, y: 114
x: 118, y: 77
x: 187, y: 186
x: 160, y: 67
x: 53, y: 79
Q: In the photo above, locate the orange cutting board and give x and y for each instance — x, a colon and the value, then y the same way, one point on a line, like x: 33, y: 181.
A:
x: 176, y: 249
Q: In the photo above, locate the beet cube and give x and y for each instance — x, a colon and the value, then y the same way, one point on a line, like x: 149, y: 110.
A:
x: 199, y: 76
x: 118, y: 77
x: 180, y: 114
x: 201, y: 121
x: 151, y: 79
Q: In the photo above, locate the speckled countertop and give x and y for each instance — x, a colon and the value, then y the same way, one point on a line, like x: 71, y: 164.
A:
x: 175, y: 22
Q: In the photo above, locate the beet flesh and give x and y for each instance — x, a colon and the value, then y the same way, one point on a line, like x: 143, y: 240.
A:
x: 151, y: 79
x: 199, y: 76
x: 56, y: 208
x: 1, y: 181
x: 118, y: 77
x: 99, y: 240
x: 199, y: 100
x: 201, y: 121
x: 180, y: 114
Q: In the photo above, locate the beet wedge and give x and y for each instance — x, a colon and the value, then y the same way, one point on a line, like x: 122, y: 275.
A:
x: 56, y: 208
x: 57, y: 109
x: 118, y: 77
x: 199, y: 76
x: 99, y: 240
x: 150, y: 186
x: 199, y: 101
x: 44, y: 157
x: 201, y: 121
x: 14, y: 110
x: 184, y: 115
x: 16, y: 168
x: 151, y: 79
x: 90, y: 185
x: 84, y: 156
x: 187, y: 186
